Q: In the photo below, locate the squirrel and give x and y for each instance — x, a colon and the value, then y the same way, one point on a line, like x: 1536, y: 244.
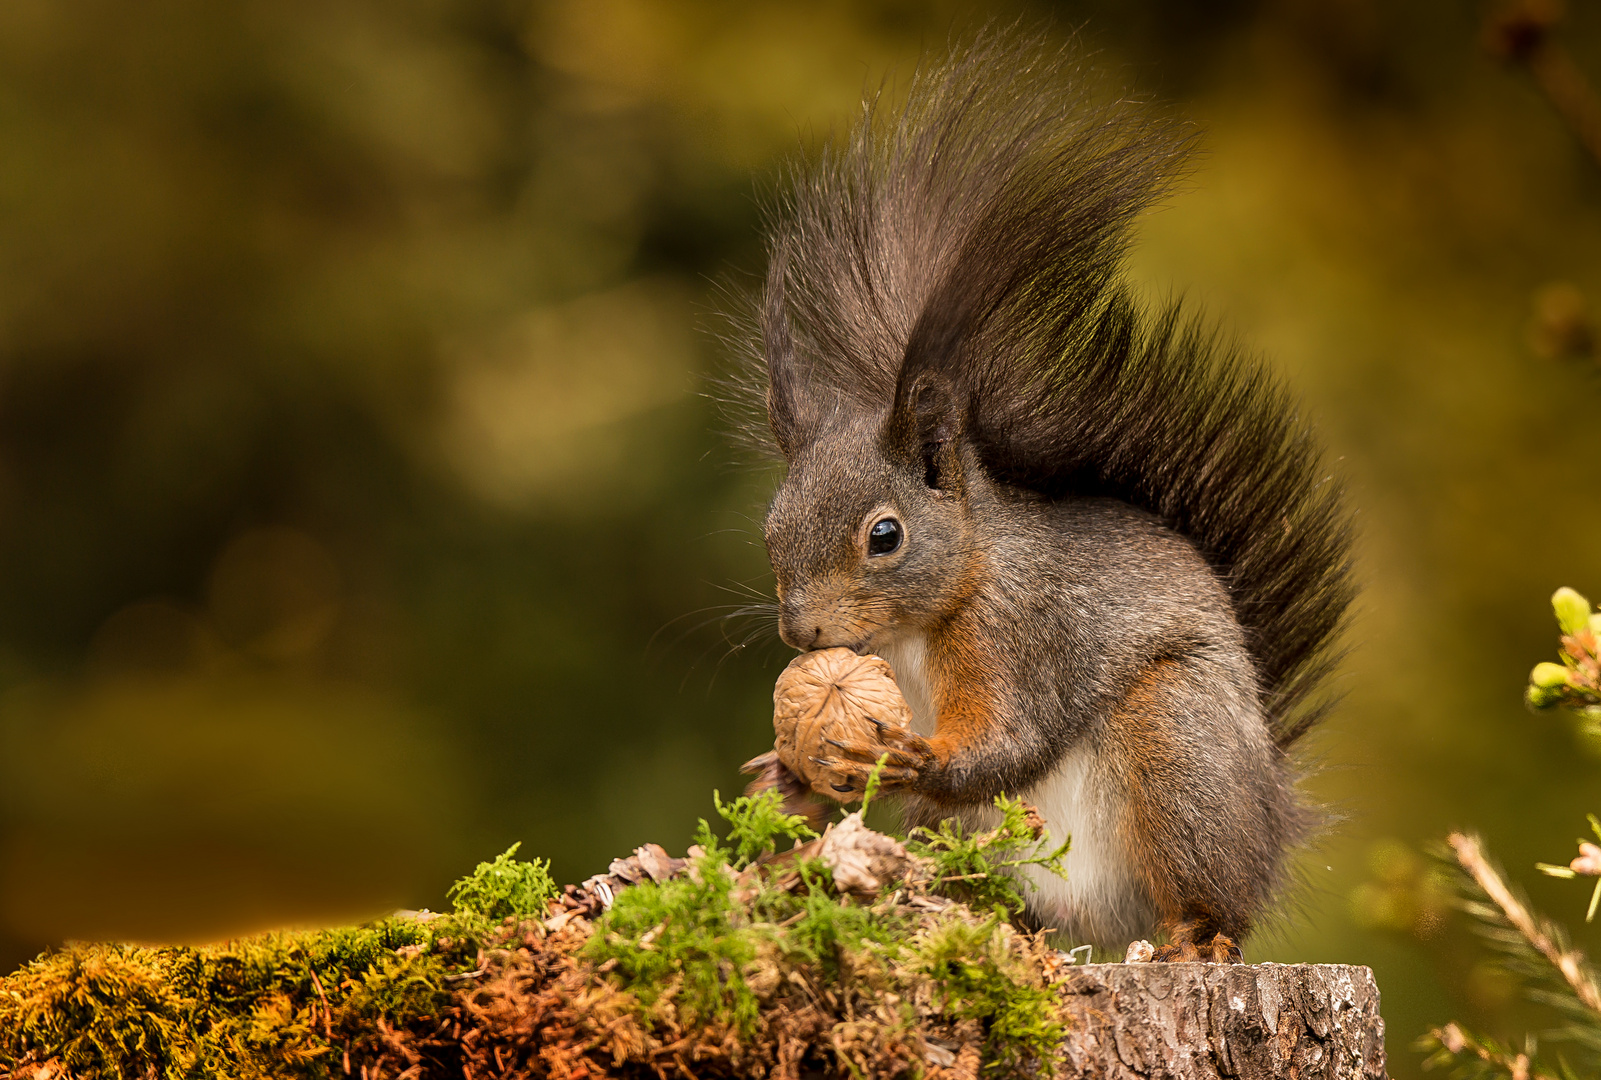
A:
x: 1093, y: 539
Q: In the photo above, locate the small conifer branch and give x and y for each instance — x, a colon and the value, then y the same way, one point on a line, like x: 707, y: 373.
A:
x: 1453, y: 1041
x: 1536, y: 932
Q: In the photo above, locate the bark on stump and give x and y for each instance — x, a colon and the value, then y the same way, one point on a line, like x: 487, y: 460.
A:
x: 1205, y: 1021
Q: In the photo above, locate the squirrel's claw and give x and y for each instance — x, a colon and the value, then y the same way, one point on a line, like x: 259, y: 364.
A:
x: 855, y: 774
x: 904, y: 754
x: 900, y: 756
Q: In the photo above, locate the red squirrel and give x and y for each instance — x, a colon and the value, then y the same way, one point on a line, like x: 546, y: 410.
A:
x: 1094, y: 540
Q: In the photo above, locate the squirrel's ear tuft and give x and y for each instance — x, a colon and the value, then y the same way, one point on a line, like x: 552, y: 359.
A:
x: 924, y: 429
x: 789, y: 411
x: 933, y: 408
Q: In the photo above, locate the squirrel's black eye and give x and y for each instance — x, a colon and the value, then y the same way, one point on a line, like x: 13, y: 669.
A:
x: 884, y: 537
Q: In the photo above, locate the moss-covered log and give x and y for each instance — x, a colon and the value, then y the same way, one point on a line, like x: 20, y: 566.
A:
x: 850, y: 954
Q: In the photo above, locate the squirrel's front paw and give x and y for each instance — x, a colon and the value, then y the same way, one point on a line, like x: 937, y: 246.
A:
x: 850, y: 759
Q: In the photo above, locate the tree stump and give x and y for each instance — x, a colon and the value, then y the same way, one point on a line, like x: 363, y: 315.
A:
x: 1206, y: 1021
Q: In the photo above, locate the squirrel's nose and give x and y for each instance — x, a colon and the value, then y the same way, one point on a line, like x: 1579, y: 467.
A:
x: 796, y: 625
x: 798, y: 635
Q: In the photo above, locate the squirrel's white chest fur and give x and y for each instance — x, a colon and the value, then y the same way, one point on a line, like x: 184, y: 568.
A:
x: 1101, y: 902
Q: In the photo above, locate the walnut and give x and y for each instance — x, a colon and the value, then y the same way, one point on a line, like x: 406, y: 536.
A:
x: 833, y: 694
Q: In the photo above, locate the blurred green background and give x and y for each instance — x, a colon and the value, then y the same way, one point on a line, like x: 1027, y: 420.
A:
x: 361, y: 510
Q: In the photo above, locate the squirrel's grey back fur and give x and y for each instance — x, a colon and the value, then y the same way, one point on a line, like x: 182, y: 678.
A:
x: 979, y: 234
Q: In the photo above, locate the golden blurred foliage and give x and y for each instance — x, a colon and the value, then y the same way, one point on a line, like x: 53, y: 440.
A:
x: 359, y: 496
x: 535, y: 411
x: 274, y: 592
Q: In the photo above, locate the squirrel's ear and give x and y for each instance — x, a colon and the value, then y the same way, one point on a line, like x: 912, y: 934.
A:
x: 925, y: 427
x: 789, y: 412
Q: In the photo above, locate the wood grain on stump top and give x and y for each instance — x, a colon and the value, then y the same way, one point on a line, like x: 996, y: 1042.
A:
x: 1205, y: 1021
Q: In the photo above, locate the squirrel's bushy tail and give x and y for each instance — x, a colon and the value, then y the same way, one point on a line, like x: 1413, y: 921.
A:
x: 978, y: 235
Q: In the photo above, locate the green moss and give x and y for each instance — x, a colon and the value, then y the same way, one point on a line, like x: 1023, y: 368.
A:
x: 970, y: 866
x: 983, y: 980
x: 827, y: 928
x: 505, y: 888
x: 692, y: 941
x: 756, y: 824
x: 106, y: 1008
x: 684, y: 940
x: 269, y: 1006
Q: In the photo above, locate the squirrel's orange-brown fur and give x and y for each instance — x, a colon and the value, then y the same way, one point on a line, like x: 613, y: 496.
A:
x: 966, y: 684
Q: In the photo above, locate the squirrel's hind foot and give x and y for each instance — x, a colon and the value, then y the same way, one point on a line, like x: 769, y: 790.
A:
x: 1219, y: 949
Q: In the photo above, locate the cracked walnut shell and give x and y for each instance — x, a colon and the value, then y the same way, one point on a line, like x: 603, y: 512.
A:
x: 832, y: 694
